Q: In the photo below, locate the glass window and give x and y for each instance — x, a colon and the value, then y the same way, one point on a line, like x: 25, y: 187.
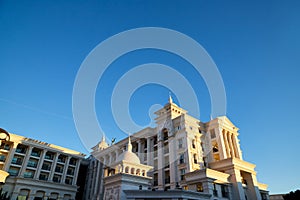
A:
x: 2, y: 158
x: 199, y: 187
x: 32, y: 163
x: 180, y: 143
x: 13, y: 171
x: 181, y: 159
x: 28, y: 174
x: 212, y: 133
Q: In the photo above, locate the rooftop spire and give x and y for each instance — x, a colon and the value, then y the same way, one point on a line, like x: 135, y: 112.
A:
x: 129, y: 146
x: 170, y: 98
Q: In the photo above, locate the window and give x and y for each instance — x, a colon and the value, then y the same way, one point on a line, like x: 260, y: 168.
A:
x: 224, y: 190
x: 56, y: 178
x: 49, y: 155
x: 13, y: 171
x: 36, y: 152
x: 17, y: 160
x: 155, y: 140
x: 155, y: 180
x: 194, y: 144
x: 2, y: 158
x: 155, y: 151
x: 212, y: 133
x: 59, y: 168
x: 167, y: 163
x: 195, y: 159
x: 46, y: 166
x: 199, y: 187
x: 69, y: 180
x: 21, y: 149
x: 5, y: 146
x: 180, y: 143
x: 43, y: 177
x: 73, y: 161
x: 166, y: 148
x: 181, y: 158
x: 32, y: 163
x: 215, y: 148
x: 182, y: 173
x: 165, y: 134
x: 70, y: 171
x: 61, y: 158
x: 28, y: 174
x: 167, y: 177
x: 215, y: 190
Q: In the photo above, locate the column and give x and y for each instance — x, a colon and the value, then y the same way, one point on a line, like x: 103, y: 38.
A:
x: 10, y: 156
x: 226, y: 144
x: 25, y: 161
x: 76, y: 171
x: 172, y: 162
x: 96, y: 178
x: 149, y: 151
x: 53, y: 166
x: 230, y: 144
x: 65, y: 169
x: 160, y: 157
x: 139, y: 142
x: 236, y: 180
x: 40, y: 164
x: 234, y: 146
x: 222, y: 146
x: 237, y: 144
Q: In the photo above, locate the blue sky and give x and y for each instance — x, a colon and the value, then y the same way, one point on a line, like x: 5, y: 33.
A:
x: 254, y: 44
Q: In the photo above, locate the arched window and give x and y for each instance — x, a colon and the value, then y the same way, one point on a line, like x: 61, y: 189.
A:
x: 138, y: 172
x: 132, y: 171
x: 127, y: 170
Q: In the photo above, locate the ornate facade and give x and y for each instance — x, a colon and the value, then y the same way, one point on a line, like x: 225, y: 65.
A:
x: 38, y: 170
x: 185, y: 153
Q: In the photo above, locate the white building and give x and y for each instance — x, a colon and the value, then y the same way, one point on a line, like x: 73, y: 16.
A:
x: 38, y: 170
x: 185, y: 152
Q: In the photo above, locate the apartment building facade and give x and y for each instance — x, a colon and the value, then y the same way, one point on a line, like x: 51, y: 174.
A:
x: 38, y: 170
x: 186, y: 153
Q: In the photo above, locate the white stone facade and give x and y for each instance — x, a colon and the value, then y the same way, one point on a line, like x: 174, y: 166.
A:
x: 39, y: 170
x: 181, y: 148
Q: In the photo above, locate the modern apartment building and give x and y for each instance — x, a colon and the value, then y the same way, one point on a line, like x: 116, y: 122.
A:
x: 38, y: 170
x: 184, y: 153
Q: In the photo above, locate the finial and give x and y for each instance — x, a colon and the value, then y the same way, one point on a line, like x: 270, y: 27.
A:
x: 170, y: 98
x: 129, y: 146
x: 103, y: 138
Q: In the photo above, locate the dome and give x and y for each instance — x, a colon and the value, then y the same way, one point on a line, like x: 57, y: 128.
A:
x: 128, y: 155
